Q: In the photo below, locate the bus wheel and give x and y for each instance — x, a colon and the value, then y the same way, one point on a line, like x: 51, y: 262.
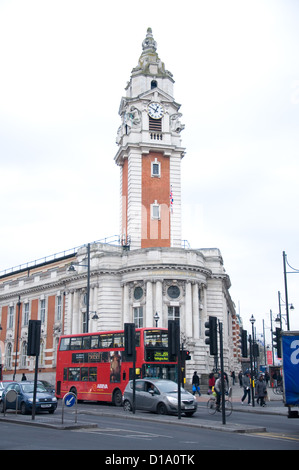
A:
x: 117, y: 397
x: 74, y: 391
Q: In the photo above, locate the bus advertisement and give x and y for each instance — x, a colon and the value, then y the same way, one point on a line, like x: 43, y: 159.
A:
x: 94, y: 367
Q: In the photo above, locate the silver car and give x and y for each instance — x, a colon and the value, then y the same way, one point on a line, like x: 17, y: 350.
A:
x: 159, y: 396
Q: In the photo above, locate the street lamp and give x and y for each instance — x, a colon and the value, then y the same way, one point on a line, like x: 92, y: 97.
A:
x: 72, y: 268
x: 156, y: 318
x: 252, y: 321
x: 285, y: 272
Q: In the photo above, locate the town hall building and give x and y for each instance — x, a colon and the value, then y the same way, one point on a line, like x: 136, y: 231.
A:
x: 148, y: 277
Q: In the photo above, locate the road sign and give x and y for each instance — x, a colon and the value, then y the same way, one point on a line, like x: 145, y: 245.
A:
x: 69, y: 400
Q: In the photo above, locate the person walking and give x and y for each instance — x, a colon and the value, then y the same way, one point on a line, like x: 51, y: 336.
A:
x: 246, y: 388
x: 240, y: 375
x: 261, y: 390
x: 195, y: 384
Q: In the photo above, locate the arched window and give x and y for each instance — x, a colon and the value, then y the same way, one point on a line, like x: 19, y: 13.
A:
x: 154, y: 84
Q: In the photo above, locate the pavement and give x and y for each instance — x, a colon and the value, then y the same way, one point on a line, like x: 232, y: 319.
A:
x: 73, y: 419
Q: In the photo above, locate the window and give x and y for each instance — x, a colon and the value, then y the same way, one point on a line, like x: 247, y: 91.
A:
x: 138, y: 316
x: 155, y: 124
x: 23, y: 354
x: 138, y: 293
x: 154, y: 84
x: 173, y: 313
x: 26, y: 313
x: 156, y: 169
x: 155, y: 211
x: 58, y: 307
x: 10, y: 317
x: 173, y: 292
x: 43, y: 310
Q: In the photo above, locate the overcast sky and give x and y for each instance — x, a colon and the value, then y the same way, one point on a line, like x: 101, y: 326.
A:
x: 64, y: 66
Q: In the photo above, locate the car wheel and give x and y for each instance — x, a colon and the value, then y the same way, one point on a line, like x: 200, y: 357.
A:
x: 127, y: 406
x: 117, y: 398
x: 161, y: 409
x: 23, y: 408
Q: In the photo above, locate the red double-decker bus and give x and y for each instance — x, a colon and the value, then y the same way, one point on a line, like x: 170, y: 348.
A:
x: 94, y: 365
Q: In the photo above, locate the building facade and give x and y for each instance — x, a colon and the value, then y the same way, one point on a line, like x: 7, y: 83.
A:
x: 148, y: 275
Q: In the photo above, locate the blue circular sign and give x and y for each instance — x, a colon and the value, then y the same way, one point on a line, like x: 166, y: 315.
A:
x: 69, y: 400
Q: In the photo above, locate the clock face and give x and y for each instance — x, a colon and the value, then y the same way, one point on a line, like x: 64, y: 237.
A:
x: 155, y: 110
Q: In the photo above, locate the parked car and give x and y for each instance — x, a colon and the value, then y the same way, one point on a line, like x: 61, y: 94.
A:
x: 159, y: 396
x: 4, y: 384
x: 44, y: 400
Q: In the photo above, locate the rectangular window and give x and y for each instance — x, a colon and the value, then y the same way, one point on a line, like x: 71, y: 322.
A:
x: 156, y: 169
x: 10, y: 317
x: 155, y: 124
x: 173, y: 313
x: 155, y: 211
x: 58, y: 307
x: 138, y: 316
x: 26, y: 314
x: 43, y: 310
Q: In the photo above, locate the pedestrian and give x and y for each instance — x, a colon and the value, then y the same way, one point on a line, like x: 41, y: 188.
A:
x: 267, y: 378
x: 195, y: 384
x: 211, y: 383
x: 274, y: 377
x: 240, y: 378
x: 233, y: 376
x: 246, y: 387
x: 218, y: 389
x: 261, y: 390
x: 24, y: 377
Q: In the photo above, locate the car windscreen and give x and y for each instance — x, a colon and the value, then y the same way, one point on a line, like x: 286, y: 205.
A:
x: 29, y: 388
x: 168, y: 387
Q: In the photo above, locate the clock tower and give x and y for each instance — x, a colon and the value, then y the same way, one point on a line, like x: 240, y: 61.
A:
x: 150, y: 154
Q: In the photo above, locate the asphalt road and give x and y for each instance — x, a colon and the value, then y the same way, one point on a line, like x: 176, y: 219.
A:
x: 119, y: 431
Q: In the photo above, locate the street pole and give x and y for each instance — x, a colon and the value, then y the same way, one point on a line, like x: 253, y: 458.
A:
x: 251, y: 370
x: 286, y: 288
x: 222, y: 374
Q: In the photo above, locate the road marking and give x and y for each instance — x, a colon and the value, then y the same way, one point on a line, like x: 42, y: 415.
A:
x: 273, y: 435
x: 125, y: 433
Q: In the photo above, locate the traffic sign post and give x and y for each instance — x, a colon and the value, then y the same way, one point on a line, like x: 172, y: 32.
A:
x: 69, y: 400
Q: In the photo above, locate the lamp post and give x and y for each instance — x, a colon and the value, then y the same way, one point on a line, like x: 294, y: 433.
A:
x: 72, y: 268
x: 285, y: 272
x: 252, y: 321
x: 156, y: 318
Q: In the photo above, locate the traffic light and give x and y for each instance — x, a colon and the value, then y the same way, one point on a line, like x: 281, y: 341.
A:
x: 277, y: 341
x: 129, y: 339
x: 185, y: 355
x: 244, y: 348
x: 173, y: 339
x: 211, y: 334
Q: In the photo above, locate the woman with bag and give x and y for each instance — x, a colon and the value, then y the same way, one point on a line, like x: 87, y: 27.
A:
x: 261, y: 390
x: 195, y: 384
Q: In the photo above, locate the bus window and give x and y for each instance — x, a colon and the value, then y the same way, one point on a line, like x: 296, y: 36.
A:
x: 86, y: 342
x: 94, y: 342
x: 74, y: 374
x: 93, y: 374
x: 118, y: 341
x: 84, y: 374
x: 65, y: 344
x: 76, y: 342
x: 106, y: 341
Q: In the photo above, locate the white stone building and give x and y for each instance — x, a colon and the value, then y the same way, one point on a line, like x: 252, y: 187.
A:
x: 149, y: 272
